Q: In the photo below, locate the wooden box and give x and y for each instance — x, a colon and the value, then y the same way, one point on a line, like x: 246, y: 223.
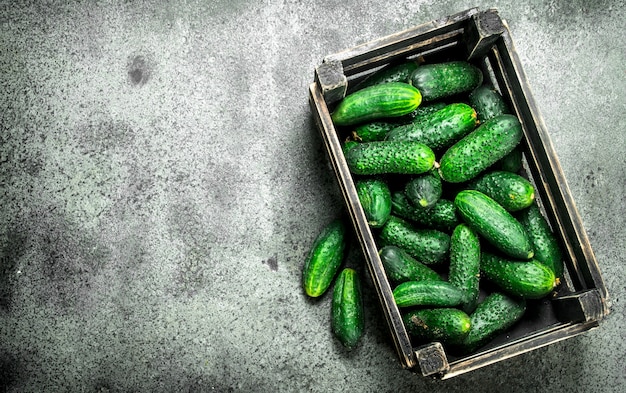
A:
x: 483, y: 38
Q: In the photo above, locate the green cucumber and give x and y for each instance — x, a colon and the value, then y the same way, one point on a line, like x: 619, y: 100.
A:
x: 447, y: 325
x: 324, y: 259
x: 428, y: 246
x: 547, y: 248
x: 490, y: 220
x: 440, y: 129
x: 488, y: 103
x: 526, y: 279
x: 464, y: 268
x: 512, y: 162
x: 439, y: 80
x: 401, y: 267
x: 494, y: 315
x: 427, y: 293
x: 424, y: 190
x: 384, y: 157
x: 347, y: 322
x: 400, y: 72
x: 391, y: 99
x: 441, y: 216
x: 510, y: 190
x: 375, y: 198
x: 378, y: 130
x: 480, y: 149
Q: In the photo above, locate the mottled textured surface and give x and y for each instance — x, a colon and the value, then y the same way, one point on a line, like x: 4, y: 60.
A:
x: 161, y: 182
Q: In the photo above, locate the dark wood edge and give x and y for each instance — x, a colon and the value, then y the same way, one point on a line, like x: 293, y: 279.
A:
x: 523, y: 345
x: 334, y: 150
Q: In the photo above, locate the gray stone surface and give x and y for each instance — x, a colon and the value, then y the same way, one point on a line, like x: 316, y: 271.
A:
x: 162, y: 180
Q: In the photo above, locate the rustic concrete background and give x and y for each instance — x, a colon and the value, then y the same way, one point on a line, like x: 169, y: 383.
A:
x: 162, y: 181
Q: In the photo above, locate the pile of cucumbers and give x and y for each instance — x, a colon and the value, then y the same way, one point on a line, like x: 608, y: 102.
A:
x: 436, y: 160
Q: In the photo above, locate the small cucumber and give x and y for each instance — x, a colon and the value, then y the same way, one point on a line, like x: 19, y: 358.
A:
x: 428, y: 246
x: 384, y: 157
x: 510, y: 190
x: 447, y: 325
x: 424, y: 190
x: 347, y: 322
x: 401, y: 267
x: 324, y: 259
x: 440, y: 129
x: 488, y: 103
x: 441, y: 216
x: 375, y: 198
x: 512, y: 162
x: 400, y: 72
x: 427, y: 293
x: 494, y: 315
x: 480, y: 149
x: 526, y: 279
x: 439, y: 80
x: 391, y: 99
x: 547, y: 248
x: 464, y: 271
x: 490, y: 220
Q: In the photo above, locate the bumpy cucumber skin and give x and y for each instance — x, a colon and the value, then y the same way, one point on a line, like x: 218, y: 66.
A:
x: 547, y: 248
x: 494, y: 315
x: 347, y: 322
x: 424, y: 190
x: 375, y: 198
x: 446, y: 325
x: 490, y: 220
x: 480, y: 149
x: 374, y: 131
x: 429, y: 246
x: 526, y: 279
x: 400, y: 72
x: 401, y: 267
x: 385, y: 157
x: 391, y: 99
x: 488, y: 103
x: 512, y: 162
x: 439, y: 80
x: 442, y: 216
x: 440, y: 129
x: 464, y: 269
x: 510, y: 190
x: 324, y: 259
x: 427, y: 293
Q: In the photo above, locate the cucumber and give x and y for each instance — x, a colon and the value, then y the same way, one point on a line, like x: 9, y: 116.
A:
x: 378, y: 130
x: 347, y: 322
x: 447, y: 325
x: 464, y: 268
x: 427, y: 293
x: 401, y: 267
x: 510, y: 190
x: 487, y: 102
x: 480, y: 149
x: 428, y: 246
x: 400, y: 72
x: 375, y: 198
x: 490, y: 220
x: 384, y: 157
x: 424, y: 190
x: 324, y: 259
x: 440, y: 129
x: 391, y: 99
x: 547, y: 248
x: 526, y: 279
x: 512, y: 162
x: 439, y: 80
x: 442, y: 216
x: 494, y: 315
